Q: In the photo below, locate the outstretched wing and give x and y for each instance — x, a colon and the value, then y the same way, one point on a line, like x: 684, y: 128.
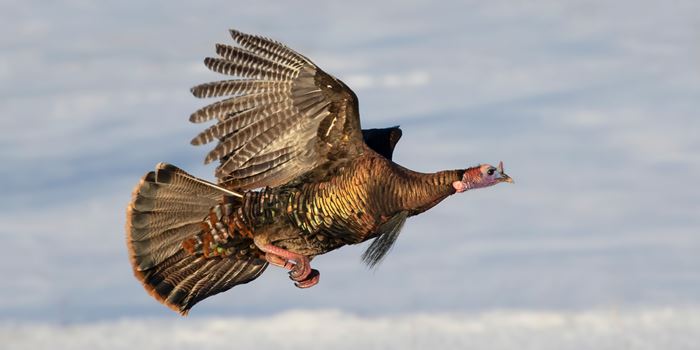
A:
x: 285, y: 115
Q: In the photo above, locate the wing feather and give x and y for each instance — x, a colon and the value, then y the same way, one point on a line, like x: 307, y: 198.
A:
x: 283, y: 101
x: 242, y: 68
x: 239, y: 86
x: 248, y: 59
x: 223, y: 109
x: 236, y: 122
x: 270, y: 49
x: 248, y: 136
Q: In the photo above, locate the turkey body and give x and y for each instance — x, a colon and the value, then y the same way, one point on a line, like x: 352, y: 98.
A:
x: 349, y: 203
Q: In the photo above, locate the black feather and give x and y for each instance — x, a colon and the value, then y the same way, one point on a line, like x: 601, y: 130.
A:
x: 382, y: 141
x: 388, y: 233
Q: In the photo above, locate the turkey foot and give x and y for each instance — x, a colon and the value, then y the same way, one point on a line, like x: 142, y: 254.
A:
x: 300, y: 271
x: 310, y: 280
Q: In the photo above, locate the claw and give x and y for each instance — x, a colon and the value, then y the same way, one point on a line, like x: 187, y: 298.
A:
x: 301, y: 270
x: 310, y: 280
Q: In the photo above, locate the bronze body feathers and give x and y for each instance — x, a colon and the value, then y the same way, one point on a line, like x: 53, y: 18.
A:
x: 298, y: 177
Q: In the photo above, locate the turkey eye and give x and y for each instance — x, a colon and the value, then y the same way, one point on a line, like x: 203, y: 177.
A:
x: 490, y: 172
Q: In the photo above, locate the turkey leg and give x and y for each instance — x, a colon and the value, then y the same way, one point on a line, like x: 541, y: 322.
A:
x: 300, y: 270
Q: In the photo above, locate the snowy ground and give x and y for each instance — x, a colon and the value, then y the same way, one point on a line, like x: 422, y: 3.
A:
x: 661, y: 328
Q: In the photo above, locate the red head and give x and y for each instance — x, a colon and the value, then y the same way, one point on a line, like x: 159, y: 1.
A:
x: 481, y: 176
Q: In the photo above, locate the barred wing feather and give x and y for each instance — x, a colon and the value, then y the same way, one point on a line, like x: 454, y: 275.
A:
x: 283, y: 116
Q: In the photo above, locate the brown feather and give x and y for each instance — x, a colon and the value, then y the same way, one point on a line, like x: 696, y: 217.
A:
x: 225, y: 108
x: 247, y: 59
x: 243, y: 69
x: 270, y: 49
x: 239, y: 86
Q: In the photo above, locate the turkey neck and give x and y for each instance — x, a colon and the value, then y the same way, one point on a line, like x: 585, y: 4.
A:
x: 417, y: 192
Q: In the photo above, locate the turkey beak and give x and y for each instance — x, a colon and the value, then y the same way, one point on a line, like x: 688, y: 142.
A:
x: 504, y: 177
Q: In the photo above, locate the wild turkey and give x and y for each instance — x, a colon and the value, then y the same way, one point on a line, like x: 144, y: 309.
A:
x: 298, y: 178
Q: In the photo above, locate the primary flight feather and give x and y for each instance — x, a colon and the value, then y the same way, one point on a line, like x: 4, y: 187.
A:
x: 298, y: 177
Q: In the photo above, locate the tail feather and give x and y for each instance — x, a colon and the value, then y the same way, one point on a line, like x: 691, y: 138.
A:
x: 142, y: 203
x: 164, y: 220
x: 153, y: 251
x: 169, y: 207
x: 151, y: 192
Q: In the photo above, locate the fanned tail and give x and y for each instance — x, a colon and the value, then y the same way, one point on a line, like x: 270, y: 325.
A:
x: 182, y: 246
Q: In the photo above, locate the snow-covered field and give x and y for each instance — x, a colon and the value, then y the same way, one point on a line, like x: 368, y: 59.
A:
x: 660, y: 328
